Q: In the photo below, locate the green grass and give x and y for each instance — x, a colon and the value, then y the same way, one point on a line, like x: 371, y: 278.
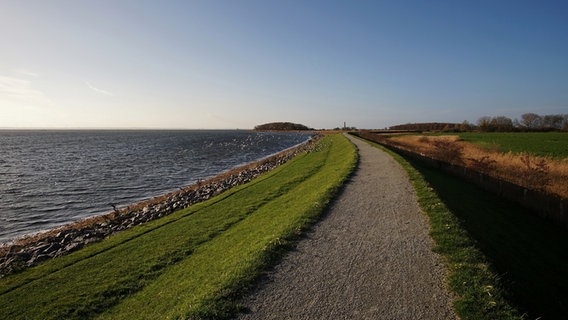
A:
x: 552, y: 144
x: 194, y: 263
x: 478, y: 289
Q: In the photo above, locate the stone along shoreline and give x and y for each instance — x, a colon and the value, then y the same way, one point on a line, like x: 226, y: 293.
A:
x: 35, y: 249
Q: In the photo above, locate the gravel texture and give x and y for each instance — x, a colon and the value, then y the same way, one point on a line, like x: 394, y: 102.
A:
x: 370, y: 257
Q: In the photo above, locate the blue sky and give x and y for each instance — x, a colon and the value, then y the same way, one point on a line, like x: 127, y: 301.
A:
x: 236, y: 64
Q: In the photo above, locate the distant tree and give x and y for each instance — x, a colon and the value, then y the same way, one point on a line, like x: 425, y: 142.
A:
x: 501, y: 124
x: 528, y: 122
x: 552, y: 121
x: 281, y: 126
x: 452, y: 127
x: 484, y: 123
x: 531, y: 121
x: 466, y: 126
x: 427, y: 126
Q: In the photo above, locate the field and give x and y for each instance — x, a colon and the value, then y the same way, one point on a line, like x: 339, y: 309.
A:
x: 194, y: 263
x: 545, y: 144
x: 482, y: 152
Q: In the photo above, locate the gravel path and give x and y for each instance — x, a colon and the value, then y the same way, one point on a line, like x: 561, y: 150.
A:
x: 369, y: 258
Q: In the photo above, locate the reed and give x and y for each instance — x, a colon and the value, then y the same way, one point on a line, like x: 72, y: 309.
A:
x: 542, y: 173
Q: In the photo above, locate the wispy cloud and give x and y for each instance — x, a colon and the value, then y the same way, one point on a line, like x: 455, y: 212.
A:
x: 15, y: 89
x: 98, y: 90
x: 27, y: 73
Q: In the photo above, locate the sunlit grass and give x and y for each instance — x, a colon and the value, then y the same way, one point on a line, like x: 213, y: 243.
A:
x: 544, y: 144
x: 193, y: 262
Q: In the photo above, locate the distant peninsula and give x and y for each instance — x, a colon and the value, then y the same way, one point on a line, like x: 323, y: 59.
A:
x: 281, y: 126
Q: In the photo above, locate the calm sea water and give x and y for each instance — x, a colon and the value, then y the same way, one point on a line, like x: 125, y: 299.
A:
x: 50, y: 178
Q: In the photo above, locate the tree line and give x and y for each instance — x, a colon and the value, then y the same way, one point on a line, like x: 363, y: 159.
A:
x: 433, y: 126
x: 281, y: 126
x: 527, y: 122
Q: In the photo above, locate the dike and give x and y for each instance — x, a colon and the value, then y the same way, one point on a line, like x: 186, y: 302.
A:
x: 38, y: 248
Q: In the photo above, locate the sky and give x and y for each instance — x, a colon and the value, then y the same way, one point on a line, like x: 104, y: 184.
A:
x: 236, y: 64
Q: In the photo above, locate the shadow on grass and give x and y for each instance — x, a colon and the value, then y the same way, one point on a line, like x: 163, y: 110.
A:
x: 530, y: 254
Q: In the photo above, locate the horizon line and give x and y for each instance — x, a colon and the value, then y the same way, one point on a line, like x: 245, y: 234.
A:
x: 114, y: 128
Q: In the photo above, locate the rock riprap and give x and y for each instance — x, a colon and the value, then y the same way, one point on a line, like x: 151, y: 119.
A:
x: 35, y: 249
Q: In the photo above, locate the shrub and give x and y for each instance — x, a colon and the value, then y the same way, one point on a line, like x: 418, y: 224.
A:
x: 483, y: 164
x: 447, y: 151
x: 536, y: 172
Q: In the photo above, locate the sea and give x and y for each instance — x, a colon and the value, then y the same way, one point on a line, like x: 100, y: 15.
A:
x: 49, y: 178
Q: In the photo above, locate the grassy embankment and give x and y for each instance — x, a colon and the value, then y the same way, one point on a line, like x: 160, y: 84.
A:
x: 529, y: 254
x: 194, y: 263
x: 501, y: 257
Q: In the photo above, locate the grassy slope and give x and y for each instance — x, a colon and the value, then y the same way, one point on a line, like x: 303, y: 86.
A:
x: 552, y: 144
x: 529, y: 254
x: 478, y: 289
x: 200, y: 257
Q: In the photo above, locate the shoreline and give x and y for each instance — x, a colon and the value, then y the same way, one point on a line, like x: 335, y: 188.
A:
x: 28, y: 251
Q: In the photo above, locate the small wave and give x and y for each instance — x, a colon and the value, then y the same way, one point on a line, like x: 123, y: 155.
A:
x: 83, y: 172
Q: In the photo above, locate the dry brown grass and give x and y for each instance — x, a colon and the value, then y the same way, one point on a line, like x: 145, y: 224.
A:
x: 540, y: 173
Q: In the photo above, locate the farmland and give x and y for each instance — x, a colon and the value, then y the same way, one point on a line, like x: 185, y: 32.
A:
x: 521, y: 163
x: 545, y: 144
